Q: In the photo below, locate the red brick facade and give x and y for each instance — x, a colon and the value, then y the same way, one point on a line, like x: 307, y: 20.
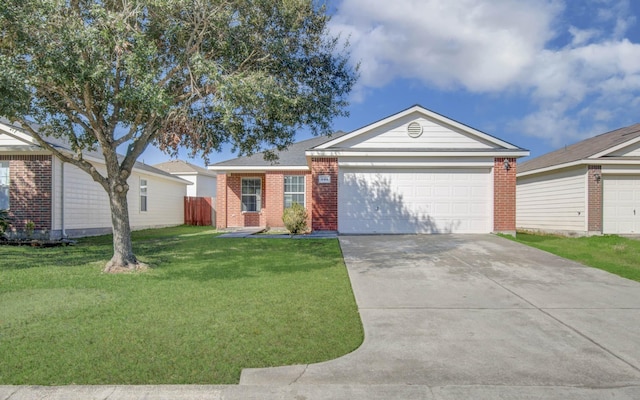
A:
x: 504, y: 195
x: 594, y: 195
x: 30, y: 180
x: 229, y: 199
x: 325, y: 195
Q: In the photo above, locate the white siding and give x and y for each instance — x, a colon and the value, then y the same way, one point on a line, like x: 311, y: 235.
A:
x: 86, y: 205
x: 6, y: 140
x: 394, y: 136
x: 552, y: 202
x: 206, y: 186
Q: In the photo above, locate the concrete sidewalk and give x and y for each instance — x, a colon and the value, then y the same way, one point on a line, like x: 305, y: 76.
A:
x: 451, y: 317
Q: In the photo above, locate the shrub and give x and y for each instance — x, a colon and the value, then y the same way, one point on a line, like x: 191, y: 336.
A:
x: 295, y: 219
x: 29, y: 227
x: 4, y: 221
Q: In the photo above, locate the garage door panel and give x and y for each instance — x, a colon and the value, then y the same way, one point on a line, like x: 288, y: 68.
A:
x: 621, y: 204
x: 414, y: 201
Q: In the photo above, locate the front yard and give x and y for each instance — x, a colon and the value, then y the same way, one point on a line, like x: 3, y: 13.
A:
x: 615, y: 254
x: 208, y: 308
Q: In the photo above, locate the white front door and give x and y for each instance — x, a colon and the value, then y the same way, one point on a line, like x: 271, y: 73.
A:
x: 377, y: 200
x: 621, y: 204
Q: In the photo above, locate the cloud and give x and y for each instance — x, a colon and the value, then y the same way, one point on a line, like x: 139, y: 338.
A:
x: 561, y: 58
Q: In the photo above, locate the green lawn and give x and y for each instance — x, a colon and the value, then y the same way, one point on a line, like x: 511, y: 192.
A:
x: 208, y: 308
x: 614, y: 254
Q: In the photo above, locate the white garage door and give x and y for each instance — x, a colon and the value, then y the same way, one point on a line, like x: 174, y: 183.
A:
x: 415, y: 201
x: 621, y: 204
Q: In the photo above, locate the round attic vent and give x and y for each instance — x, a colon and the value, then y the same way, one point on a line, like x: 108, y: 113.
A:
x: 414, y: 129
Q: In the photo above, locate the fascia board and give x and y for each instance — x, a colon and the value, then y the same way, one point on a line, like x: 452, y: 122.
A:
x: 615, y: 148
x: 248, y: 168
x: 349, y: 153
x: 399, y: 164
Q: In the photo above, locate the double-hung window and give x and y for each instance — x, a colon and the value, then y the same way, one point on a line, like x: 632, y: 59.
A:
x: 4, y: 185
x: 293, y: 190
x: 143, y: 195
x: 251, y: 194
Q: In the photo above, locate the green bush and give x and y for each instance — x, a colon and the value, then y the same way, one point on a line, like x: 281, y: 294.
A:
x: 295, y: 219
x: 4, y: 221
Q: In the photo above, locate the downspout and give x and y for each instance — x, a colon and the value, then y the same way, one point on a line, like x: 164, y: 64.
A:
x: 64, y: 233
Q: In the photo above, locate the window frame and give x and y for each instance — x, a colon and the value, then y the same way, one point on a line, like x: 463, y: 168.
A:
x: 302, y: 179
x: 6, y: 165
x: 144, y: 195
x: 258, y: 195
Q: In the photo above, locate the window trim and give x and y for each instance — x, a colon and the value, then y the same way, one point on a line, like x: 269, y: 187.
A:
x: 257, y: 195
x: 144, y: 194
x: 303, y: 192
x: 8, y: 183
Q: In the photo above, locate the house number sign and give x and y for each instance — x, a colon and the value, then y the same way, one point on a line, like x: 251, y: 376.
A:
x: 324, y: 178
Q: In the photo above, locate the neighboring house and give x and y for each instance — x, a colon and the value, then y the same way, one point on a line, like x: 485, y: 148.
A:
x: 203, y: 181
x: 63, y: 200
x: 413, y: 172
x: 591, y: 187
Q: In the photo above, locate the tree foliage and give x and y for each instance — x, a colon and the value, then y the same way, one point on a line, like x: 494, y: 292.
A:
x: 109, y: 74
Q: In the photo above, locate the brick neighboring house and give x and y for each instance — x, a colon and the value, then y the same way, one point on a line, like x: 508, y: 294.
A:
x: 62, y: 200
x: 589, y: 188
x: 413, y: 172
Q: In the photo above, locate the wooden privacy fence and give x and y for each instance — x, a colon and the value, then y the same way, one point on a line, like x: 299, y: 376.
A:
x: 199, y: 211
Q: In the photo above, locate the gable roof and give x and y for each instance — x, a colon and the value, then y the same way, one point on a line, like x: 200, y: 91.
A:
x: 427, y: 114
x: 19, y: 133
x: 590, y: 149
x: 291, y: 158
x: 180, y: 167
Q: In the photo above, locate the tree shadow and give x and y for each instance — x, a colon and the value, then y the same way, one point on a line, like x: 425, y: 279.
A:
x: 379, y: 209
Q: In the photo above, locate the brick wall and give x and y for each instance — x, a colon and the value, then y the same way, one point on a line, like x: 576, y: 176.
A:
x: 594, y: 222
x: 325, y: 195
x: 229, y: 194
x: 30, y: 190
x: 504, y: 196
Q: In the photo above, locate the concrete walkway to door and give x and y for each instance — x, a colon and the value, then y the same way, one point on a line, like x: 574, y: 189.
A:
x: 482, y: 317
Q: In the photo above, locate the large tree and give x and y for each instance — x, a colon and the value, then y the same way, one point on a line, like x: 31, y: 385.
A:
x: 196, y: 74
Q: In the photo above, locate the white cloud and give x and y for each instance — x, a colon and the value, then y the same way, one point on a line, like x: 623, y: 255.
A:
x: 510, y: 47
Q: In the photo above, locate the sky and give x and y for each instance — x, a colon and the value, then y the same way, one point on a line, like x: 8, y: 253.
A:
x: 540, y: 74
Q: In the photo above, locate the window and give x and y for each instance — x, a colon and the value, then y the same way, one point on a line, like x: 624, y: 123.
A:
x: 4, y: 185
x: 293, y: 190
x: 251, y: 194
x: 143, y: 195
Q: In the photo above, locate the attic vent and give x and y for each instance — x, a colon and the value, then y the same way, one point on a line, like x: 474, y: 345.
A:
x: 414, y: 129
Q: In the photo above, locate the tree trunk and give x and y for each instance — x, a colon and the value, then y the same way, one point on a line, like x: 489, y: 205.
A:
x: 123, y: 258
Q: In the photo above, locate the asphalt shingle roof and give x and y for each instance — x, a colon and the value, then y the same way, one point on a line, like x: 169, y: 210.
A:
x: 182, y: 167
x: 293, y: 156
x: 582, y: 150
x: 62, y: 144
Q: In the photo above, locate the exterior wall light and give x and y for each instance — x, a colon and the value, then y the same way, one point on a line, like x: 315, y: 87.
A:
x: 507, y: 165
x: 597, y: 177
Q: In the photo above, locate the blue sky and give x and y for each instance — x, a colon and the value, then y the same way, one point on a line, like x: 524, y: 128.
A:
x: 540, y: 74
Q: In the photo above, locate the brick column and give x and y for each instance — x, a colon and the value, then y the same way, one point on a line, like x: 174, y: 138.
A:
x: 274, y: 198
x: 221, y: 201
x: 504, y: 196
x: 594, y: 208
x: 325, y: 195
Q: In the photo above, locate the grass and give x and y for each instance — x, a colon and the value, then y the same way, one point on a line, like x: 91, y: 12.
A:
x: 615, y: 254
x: 207, y: 309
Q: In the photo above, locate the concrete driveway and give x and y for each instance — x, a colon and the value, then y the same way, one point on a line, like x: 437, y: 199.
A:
x: 479, y: 316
